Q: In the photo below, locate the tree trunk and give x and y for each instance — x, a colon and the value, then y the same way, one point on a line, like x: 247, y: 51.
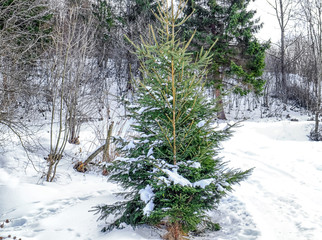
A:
x: 106, y: 154
x: 284, y: 91
x: 318, y: 102
x: 81, y: 166
x: 221, y: 112
x: 283, y: 70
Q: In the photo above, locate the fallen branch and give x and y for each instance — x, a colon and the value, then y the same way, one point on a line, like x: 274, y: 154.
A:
x: 82, y: 166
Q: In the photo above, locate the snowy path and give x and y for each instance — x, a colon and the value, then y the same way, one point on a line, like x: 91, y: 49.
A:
x: 59, y: 211
x: 280, y: 201
x: 49, y: 211
x: 284, y: 194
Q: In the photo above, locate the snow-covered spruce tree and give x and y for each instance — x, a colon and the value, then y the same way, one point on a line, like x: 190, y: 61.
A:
x: 169, y: 170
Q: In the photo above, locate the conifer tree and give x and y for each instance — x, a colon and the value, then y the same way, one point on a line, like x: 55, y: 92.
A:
x: 116, y: 19
x: 139, y: 8
x: 238, y: 54
x: 169, y: 170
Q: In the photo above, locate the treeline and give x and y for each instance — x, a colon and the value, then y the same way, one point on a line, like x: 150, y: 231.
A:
x: 47, y: 46
x: 295, y: 62
x: 68, y: 59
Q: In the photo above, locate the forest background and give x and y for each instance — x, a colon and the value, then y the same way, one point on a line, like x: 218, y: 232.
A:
x: 70, y: 64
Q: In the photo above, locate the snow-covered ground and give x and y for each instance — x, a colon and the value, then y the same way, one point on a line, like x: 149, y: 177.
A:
x: 280, y: 201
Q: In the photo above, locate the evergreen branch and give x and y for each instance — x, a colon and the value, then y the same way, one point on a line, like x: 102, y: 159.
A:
x: 174, y: 114
x: 188, y: 130
x: 153, y: 35
x: 189, y: 42
x: 143, y: 85
x: 194, y: 103
x: 164, y: 133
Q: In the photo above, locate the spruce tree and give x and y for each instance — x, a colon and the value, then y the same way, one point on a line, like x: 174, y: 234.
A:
x: 238, y: 54
x: 169, y: 169
x: 141, y: 8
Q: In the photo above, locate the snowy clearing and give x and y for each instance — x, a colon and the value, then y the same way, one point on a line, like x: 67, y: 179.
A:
x: 280, y: 201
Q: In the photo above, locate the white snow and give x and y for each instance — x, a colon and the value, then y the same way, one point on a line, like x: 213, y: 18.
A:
x: 147, y: 195
x: 195, y: 165
x: 220, y: 188
x: 129, y: 146
x: 150, y: 152
x: 169, y: 99
x: 142, y: 109
x: 148, y: 208
x: 281, y: 200
x: 176, y: 178
x: 201, y: 123
x: 203, y: 183
x: 284, y: 193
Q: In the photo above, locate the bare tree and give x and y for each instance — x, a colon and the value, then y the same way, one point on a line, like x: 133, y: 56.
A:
x: 24, y: 29
x: 25, y: 26
x: 71, y: 70
x: 284, y: 10
x: 312, y: 10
